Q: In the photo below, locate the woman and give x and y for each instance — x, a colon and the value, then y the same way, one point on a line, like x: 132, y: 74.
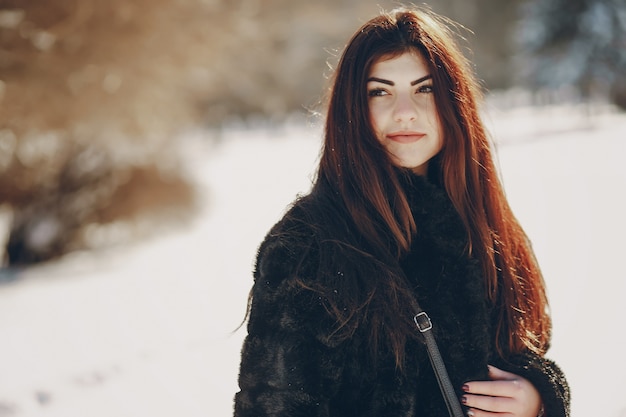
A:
x: 406, y: 209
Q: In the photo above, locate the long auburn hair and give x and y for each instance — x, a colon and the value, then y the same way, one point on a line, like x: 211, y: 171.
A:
x: 356, y: 165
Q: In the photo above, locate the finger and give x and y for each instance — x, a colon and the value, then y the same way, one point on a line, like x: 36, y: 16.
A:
x: 475, y: 412
x: 487, y: 403
x: 491, y: 388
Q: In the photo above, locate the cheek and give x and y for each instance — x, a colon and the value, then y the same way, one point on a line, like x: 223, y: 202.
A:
x: 435, y: 123
x: 376, y: 117
x: 438, y: 132
x: 432, y: 115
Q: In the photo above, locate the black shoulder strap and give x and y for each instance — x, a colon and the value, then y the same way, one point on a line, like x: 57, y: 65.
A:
x: 425, y: 326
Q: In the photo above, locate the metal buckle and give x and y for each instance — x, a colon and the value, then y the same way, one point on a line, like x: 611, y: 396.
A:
x: 423, y: 322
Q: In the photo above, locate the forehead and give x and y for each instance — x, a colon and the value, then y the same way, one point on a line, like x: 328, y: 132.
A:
x: 408, y: 64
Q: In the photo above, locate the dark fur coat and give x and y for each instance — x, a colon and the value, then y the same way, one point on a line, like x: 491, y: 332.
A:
x: 295, y: 363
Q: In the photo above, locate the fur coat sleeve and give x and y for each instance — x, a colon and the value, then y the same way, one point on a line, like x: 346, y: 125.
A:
x: 281, y: 372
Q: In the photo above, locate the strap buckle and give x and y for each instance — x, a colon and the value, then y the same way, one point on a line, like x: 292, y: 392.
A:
x: 423, y: 322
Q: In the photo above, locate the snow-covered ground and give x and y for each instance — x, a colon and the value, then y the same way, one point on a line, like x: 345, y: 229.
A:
x: 147, y: 329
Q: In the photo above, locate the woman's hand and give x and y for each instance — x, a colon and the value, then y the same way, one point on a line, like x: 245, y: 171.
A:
x: 506, y: 394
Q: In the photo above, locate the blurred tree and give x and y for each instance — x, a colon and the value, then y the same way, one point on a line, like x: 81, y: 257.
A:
x: 91, y: 94
x: 578, y: 43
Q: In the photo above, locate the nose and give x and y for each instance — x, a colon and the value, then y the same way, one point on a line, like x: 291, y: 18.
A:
x: 404, y: 109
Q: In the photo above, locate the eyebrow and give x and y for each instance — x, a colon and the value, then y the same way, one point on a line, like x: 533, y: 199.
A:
x: 388, y: 82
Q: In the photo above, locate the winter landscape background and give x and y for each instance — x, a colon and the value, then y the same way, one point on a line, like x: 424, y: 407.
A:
x: 149, y: 328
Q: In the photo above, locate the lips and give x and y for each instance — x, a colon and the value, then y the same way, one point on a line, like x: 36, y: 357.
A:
x: 405, y: 136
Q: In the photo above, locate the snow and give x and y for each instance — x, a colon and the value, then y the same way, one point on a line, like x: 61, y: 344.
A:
x: 149, y: 328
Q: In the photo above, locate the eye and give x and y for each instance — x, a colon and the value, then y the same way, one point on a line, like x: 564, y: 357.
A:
x: 377, y: 92
x: 426, y: 89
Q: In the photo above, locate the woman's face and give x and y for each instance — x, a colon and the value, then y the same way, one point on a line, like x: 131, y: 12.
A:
x: 402, y: 110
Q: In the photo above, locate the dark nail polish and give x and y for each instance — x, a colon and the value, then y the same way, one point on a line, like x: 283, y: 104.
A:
x: 464, y: 399
x: 465, y: 388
